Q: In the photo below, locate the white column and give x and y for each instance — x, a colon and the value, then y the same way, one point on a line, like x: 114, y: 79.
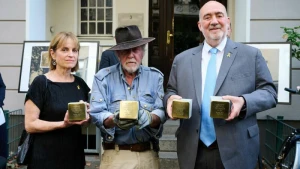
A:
x: 35, y: 19
x: 242, y: 21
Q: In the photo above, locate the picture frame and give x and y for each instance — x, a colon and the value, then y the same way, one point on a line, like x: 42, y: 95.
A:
x: 102, y: 49
x: 279, y: 61
x: 35, y: 62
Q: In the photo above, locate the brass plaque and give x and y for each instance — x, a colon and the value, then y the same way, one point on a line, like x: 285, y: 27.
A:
x: 181, y: 109
x: 129, y: 110
x: 77, y: 111
x: 220, y: 108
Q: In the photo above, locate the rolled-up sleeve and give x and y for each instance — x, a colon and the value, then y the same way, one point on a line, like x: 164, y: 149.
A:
x: 98, y: 105
x: 158, y: 109
x: 158, y: 105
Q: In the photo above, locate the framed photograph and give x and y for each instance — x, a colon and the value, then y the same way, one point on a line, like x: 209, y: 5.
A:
x: 278, y: 58
x: 35, y: 61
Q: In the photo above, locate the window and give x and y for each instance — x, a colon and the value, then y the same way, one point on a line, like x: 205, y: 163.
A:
x: 96, y: 17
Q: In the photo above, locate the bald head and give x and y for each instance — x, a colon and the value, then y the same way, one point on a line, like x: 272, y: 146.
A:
x: 211, y: 5
x: 213, y: 22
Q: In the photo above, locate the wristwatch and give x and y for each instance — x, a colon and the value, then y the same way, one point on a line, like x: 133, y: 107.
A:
x: 243, y: 109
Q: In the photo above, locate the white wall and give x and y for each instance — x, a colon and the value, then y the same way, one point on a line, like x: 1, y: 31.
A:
x: 36, y: 20
x: 61, y: 16
x: 267, y: 17
x: 241, y: 28
x: 12, y: 35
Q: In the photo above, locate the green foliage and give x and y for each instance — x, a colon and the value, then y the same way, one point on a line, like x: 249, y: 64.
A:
x: 291, y: 35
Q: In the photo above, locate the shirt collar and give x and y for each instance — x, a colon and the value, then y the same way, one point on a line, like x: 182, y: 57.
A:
x: 220, y: 47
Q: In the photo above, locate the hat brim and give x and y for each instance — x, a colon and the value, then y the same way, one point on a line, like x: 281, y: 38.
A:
x: 131, y: 44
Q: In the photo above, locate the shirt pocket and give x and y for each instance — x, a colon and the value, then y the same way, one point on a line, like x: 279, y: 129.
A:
x: 115, y: 102
x: 98, y: 103
x: 147, y: 101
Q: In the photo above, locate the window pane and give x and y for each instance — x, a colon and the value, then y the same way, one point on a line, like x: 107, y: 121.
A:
x: 83, y: 3
x: 109, y: 14
x: 108, y: 3
x: 100, y: 3
x: 108, y: 28
x: 83, y: 14
x: 92, y: 28
x: 92, y: 3
x: 92, y: 14
x: 84, y: 28
x: 100, y: 28
x: 100, y: 14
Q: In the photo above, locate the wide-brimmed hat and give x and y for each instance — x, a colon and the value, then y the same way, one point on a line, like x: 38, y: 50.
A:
x: 129, y: 37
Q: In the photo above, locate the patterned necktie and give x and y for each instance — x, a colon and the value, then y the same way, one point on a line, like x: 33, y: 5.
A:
x: 207, y: 132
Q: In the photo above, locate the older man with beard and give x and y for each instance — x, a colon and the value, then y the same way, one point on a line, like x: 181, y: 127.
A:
x: 219, y: 67
x: 133, y: 143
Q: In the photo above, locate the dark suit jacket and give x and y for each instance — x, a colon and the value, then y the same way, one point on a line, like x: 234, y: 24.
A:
x: 244, y: 73
x: 2, y: 91
x: 108, y: 58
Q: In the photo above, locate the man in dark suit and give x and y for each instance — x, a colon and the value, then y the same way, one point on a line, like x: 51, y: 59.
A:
x: 236, y: 72
x: 108, y: 58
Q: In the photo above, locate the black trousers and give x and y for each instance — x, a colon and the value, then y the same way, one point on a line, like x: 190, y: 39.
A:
x: 208, y: 157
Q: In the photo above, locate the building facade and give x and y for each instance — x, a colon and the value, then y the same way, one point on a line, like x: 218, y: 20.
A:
x: 167, y: 20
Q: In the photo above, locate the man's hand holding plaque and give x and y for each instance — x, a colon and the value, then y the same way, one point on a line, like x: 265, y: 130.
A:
x: 123, y: 124
x: 238, y: 103
x: 127, y: 116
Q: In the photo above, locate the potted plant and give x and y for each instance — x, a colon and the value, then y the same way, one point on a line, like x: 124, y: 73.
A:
x: 291, y: 35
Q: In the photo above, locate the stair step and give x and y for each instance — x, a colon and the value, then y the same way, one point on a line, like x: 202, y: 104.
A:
x: 170, y: 126
x: 172, y: 122
x: 168, y: 143
x: 168, y: 160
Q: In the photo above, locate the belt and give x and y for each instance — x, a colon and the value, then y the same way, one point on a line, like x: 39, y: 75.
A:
x: 138, y: 147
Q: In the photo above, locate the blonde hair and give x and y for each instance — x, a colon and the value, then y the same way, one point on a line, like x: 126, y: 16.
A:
x: 57, y: 42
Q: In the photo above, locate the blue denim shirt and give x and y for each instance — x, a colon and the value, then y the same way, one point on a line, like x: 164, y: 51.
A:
x: 110, y: 87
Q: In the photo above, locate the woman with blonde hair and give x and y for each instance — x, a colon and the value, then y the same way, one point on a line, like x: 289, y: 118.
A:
x: 57, y: 142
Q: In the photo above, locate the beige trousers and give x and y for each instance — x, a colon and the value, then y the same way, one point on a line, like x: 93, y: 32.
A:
x: 126, y: 159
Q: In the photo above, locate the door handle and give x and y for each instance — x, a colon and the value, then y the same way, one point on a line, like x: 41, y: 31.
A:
x: 169, y: 35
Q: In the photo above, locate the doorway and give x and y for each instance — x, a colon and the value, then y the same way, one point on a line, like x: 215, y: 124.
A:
x: 174, y: 25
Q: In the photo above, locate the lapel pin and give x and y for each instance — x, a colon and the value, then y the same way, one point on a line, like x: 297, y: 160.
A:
x: 78, y: 87
x: 228, y: 55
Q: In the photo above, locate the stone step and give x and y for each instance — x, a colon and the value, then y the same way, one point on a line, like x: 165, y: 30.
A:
x: 170, y: 126
x: 168, y: 143
x: 168, y: 160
